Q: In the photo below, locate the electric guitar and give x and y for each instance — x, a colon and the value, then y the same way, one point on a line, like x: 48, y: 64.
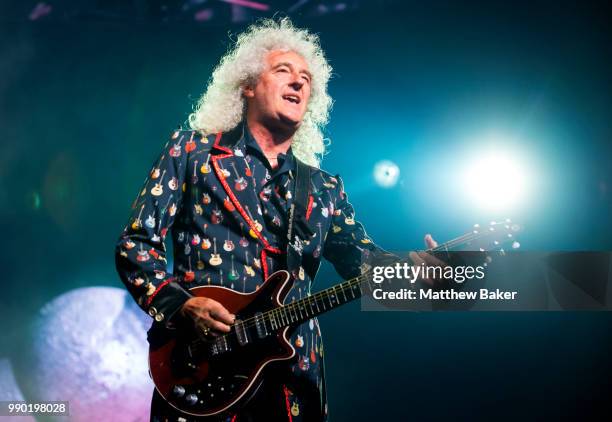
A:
x: 206, y: 376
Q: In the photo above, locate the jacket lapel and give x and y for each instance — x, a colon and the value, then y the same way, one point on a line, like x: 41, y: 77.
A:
x: 232, y: 172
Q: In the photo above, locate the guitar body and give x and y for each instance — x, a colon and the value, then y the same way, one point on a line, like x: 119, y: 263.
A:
x: 205, y: 384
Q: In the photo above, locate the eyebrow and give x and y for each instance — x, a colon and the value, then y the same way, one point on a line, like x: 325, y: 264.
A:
x: 291, y: 66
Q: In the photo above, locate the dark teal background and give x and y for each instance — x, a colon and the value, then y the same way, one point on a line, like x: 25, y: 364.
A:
x: 85, y: 107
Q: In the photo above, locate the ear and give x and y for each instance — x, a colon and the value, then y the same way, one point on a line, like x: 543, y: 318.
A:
x: 248, y: 91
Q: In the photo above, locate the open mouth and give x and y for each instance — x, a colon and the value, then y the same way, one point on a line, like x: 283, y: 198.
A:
x: 292, y: 98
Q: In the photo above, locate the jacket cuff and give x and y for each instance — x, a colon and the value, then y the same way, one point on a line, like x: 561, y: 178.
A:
x: 164, y: 304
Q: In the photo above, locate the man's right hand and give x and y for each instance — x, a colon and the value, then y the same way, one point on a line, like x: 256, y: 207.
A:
x: 208, y: 314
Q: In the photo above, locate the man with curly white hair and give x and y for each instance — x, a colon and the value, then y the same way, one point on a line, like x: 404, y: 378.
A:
x: 227, y: 188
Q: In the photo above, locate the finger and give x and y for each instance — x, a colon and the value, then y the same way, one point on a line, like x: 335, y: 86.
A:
x: 217, y: 326
x: 220, y: 313
x: 430, y: 243
x: 417, y: 260
x: 431, y: 260
x: 204, y: 328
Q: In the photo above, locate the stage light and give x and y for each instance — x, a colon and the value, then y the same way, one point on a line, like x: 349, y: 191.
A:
x: 386, y: 173
x: 496, y: 181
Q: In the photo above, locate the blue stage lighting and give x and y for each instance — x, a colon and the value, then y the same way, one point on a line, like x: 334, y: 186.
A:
x: 496, y: 181
x: 386, y: 173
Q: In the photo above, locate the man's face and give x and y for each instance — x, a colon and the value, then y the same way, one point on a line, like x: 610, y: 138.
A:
x: 280, y: 96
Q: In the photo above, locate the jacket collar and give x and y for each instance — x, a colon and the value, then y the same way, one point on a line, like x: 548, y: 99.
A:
x: 225, y: 141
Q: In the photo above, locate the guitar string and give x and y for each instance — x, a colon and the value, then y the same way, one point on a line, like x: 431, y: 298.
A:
x: 297, y: 307
x: 351, y: 283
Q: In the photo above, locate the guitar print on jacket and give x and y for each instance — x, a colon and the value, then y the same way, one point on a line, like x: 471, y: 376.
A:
x: 244, y: 210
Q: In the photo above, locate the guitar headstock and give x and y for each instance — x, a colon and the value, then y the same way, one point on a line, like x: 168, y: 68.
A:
x: 494, y: 236
x: 497, y: 236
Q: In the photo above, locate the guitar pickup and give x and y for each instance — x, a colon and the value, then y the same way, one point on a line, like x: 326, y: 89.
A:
x: 241, y: 332
x: 260, y: 325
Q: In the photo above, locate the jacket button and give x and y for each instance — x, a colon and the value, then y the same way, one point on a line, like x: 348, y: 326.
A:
x: 159, y: 317
x: 152, y: 311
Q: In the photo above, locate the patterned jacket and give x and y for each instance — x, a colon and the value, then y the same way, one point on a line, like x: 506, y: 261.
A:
x: 205, y: 190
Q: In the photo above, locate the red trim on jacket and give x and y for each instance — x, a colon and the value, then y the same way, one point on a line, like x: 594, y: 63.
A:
x: 286, y: 391
x: 238, y: 205
x: 164, y: 283
x: 222, y: 148
x: 264, y: 263
x: 309, y: 207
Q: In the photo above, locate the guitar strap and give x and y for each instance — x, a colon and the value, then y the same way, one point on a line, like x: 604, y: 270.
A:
x: 298, y: 229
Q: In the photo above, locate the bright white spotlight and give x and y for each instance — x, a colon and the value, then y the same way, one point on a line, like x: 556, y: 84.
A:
x: 386, y: 173
x: 496, y: 181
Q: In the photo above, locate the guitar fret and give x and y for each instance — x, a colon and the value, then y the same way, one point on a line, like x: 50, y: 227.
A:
x: 337, y: 297
x: 290, y: 313
x: 279, y: 315
x: 344, y: 294
x: 312, y: 303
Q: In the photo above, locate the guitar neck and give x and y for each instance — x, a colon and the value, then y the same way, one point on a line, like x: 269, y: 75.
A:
x: 297, y: 312
x: 304, y: 309
x: 325, y: 300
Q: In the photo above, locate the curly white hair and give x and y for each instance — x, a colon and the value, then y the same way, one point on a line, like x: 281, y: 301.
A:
x: 222, y: 106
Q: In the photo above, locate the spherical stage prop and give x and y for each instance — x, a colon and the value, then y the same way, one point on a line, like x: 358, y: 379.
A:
x: 88, y: 347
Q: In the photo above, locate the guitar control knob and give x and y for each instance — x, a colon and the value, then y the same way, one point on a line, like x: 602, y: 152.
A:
x: 178, y: 391
x: 191, y: 399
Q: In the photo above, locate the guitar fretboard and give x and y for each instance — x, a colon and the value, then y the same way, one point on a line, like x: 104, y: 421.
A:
x: 323, y: 301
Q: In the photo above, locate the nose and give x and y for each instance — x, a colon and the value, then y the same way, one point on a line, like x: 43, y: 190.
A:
x: 297, y: 82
